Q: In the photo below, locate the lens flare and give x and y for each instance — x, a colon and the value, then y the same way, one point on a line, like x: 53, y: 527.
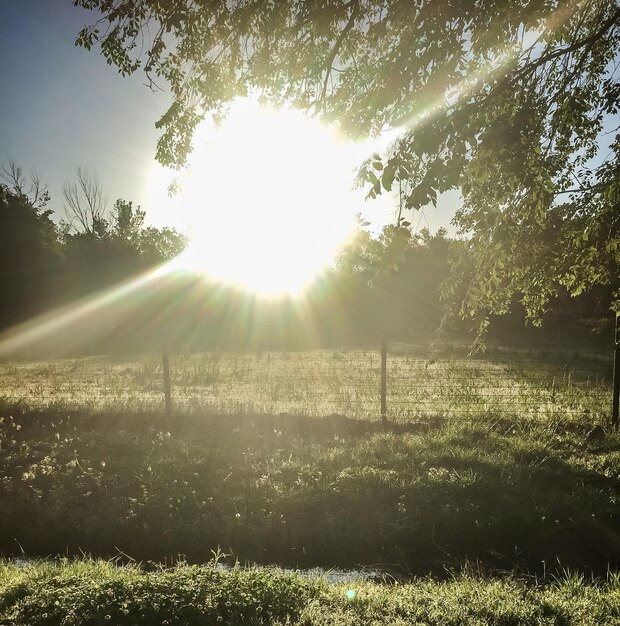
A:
x: 271, y: 198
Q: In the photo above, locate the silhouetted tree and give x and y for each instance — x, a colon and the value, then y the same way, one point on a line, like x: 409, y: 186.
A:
x: 104, y: 249
x: 31, y: 188
x: 153, y: 245
x: 29, y: 255
x: 85, y: 206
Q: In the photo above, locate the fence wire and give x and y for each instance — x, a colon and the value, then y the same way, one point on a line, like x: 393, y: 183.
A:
x: 322, y: 382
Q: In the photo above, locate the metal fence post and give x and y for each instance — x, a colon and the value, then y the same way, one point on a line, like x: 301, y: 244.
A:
x: 384, y: 379
x: 615, y: 407
x: 167, y: 390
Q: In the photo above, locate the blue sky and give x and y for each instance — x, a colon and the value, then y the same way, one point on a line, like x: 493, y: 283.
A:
x: 62, y: 107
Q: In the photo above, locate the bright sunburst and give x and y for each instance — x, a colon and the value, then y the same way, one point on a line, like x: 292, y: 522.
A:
x: 270, y: 198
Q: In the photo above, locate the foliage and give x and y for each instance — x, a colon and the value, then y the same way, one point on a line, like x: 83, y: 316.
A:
x: 152, y: 245
x: 92, y: 593
x: 512, y: 101
x: 44, y: 264
x: 29, y: 253
x: 120, y: 246
x: 352, y: 304
x: 112, y: 246
x: 393, y: 282
x: 30, y: 188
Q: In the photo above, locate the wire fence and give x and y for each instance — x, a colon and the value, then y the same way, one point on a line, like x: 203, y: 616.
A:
x: 420, y: 384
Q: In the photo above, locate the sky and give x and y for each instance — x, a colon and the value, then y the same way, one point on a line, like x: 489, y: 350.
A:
x: 62, y: 107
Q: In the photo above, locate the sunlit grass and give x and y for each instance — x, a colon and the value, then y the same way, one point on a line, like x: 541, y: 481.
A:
x: 95, y: 592
x: 319, y: 383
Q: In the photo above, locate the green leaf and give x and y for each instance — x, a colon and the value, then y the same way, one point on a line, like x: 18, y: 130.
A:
x: 388, y: 177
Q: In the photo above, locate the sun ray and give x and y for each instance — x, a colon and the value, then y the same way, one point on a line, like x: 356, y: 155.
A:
x: 104, y: 306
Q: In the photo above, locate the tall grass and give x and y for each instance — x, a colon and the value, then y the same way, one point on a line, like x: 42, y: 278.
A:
x: 321, y: 383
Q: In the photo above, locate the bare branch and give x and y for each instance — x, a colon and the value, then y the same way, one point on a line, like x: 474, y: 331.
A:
x: 32, y: 188
x: 84, y: 203
x: 13, y: 177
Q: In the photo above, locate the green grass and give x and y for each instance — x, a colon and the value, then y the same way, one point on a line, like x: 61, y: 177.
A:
x: 421, y: 383
x: 93, y: 593
x: 511, y: 495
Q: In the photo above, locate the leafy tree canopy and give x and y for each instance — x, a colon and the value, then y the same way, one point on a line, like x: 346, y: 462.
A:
x: 154, y: 245
x: 511, y: 101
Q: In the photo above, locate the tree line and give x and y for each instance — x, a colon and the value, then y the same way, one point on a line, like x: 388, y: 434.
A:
x: 46, y: 263
x: 410, y: 287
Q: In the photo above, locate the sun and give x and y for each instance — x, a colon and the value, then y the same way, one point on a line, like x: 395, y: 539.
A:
x: 270, y: 199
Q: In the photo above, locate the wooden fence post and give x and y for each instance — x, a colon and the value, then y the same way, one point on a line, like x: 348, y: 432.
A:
x: 167, y: 390
x: 384, y: 379
x: 615, y: 406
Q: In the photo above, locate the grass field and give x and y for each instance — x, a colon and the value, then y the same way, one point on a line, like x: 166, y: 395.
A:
x: 502, y: 465
x: 93, y: 593
x: 511, y: 495
x: 321, y: 383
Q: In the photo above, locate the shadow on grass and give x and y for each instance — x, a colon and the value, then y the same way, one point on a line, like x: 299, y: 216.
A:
x: 332, y: 492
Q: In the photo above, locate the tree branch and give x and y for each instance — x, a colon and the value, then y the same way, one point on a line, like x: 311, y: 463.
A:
x: 586, y: 41
x: 334, y: 51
